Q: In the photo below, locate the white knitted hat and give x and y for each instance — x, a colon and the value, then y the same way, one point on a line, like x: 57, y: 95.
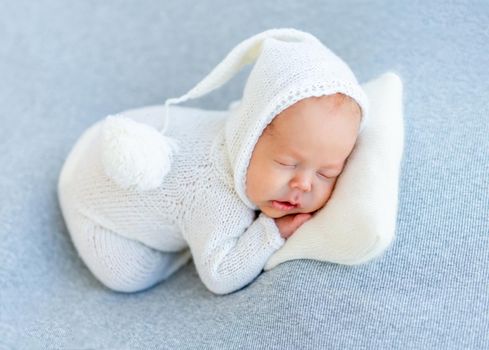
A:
x: 290, y: 65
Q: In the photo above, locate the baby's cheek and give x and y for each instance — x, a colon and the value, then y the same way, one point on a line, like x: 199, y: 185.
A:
x: 327, y: 192
x: 262, y: 182
x: 279, y: 179
x: 272, y: 181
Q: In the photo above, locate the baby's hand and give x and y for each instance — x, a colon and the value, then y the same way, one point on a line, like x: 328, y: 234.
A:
x: 288, y: 224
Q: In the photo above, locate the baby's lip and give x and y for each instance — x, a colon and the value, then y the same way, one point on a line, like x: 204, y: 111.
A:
x: 283, y: 206
x: 296, y: 204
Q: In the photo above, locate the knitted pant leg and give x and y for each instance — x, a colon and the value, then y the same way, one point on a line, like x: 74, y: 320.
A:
x: 121, y: 264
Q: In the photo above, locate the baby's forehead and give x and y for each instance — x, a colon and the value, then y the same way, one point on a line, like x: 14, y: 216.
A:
x: 310, y: 112
x: 283, y: 124
x: 283, y: 132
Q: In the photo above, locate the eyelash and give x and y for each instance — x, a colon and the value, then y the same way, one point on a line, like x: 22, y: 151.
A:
x: 285, y: 164
x: 323, y: 176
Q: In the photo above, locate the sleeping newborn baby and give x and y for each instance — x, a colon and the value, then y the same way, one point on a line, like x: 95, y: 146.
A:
x: 142, y: 196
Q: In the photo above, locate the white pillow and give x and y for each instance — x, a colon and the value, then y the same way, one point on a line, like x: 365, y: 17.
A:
x: 358, y: 222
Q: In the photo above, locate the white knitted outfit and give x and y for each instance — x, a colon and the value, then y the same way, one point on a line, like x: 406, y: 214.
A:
x: 132, y: 235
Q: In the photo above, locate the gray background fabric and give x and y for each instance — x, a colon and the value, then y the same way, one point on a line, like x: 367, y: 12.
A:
x: 66, y: 64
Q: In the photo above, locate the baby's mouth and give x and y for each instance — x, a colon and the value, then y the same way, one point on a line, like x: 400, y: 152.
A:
x: 283, y: 205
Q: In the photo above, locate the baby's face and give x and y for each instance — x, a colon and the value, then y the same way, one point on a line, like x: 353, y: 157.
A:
x: 301, y: 153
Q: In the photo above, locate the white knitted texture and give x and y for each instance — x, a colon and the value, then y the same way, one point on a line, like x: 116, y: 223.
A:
x: 196, y: 206
x: 122, y: 264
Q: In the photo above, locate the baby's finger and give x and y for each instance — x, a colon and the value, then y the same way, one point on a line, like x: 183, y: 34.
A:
x: 301, y: 218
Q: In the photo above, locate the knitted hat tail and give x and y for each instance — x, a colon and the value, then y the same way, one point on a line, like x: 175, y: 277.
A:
x: 138, y: 156
x: 242, y: 54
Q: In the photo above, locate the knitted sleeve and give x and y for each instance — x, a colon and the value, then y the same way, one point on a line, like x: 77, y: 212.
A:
x: 229, y: 246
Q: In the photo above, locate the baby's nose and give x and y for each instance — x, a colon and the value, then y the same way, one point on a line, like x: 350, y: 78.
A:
x: 302, y: 183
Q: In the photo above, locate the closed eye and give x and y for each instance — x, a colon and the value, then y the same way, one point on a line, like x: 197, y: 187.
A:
x: 289, y: 165
x: 327, y: 177
x: 320, y: 175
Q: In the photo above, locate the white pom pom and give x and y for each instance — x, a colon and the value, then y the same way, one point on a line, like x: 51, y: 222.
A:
x: 135, y: 154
